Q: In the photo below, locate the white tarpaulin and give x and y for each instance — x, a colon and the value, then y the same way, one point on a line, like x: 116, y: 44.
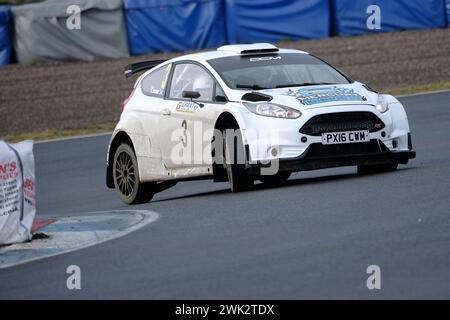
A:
x: 69, y: 30
x: 17, y: 191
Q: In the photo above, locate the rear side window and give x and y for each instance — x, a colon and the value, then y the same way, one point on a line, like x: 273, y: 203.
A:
x: 154, y: 84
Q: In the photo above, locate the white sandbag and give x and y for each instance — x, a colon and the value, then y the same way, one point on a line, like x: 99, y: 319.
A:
x: 17, y: 191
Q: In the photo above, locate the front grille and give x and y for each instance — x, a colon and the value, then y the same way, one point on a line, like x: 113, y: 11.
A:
x: 318, y: 150
x: 342, y: 121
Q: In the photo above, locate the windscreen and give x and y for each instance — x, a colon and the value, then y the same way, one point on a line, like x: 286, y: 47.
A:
x: 275, y: 71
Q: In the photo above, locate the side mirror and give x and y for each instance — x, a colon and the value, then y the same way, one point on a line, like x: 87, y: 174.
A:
x: 191, y: 94
x: 220, y: 99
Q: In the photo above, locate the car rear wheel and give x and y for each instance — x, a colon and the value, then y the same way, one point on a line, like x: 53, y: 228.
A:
x: 378, y: 168
x: 276, y: 179
x: 126, y: 177
x: 234, y: 161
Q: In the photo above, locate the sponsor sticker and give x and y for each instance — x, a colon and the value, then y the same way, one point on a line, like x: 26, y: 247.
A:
x: 264, y: 59
x: 186, y: 106
x: 323, y: 95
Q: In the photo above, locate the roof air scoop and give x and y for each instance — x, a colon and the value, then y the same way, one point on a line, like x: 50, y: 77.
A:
x: 250, y: 49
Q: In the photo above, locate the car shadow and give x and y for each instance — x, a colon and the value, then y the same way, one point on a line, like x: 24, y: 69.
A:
x: 293, y: 182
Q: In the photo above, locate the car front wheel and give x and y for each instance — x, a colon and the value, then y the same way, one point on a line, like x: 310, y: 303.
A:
x: 234, y: 153
x: 126, y: 177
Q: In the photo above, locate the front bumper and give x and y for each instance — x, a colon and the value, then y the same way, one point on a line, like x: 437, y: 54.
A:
x: 318, y: 156
x: 292, y: 137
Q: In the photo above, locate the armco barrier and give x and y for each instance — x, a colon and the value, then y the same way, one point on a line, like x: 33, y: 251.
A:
x: 49, y: 31
x: 5, y: 38
x: 352, y: 17
x: 174, y: 25
x: 274, y: 20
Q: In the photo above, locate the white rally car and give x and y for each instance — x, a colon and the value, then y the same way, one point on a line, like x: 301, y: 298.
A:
x: 249, y: 112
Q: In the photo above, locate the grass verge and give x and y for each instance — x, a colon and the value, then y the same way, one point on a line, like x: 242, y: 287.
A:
x: 107, y: 127
x: 55, y: 134
x: 416, y: 89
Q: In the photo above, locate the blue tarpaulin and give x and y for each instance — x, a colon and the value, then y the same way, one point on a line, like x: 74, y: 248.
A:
x: 274, y: 20
x: 174, y: 25
x: 448, y: 13
x: 5, y: 37
x: 351, y: 17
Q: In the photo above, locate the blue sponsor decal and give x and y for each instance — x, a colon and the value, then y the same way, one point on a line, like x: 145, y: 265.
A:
x: 323, y: 95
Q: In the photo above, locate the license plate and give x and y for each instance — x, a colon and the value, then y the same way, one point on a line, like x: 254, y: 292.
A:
x: 345, y: 137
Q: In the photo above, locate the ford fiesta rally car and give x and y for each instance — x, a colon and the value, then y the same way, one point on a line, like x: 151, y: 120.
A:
x: 249, y: 112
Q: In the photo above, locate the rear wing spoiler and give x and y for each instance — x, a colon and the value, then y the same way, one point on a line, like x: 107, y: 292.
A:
x: 141, y: 66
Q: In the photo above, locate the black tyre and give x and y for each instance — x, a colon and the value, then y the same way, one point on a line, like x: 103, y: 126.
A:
x: 378, y: 168
x: 234, y: 161
x: 126, y: 177
x: 276, y: 179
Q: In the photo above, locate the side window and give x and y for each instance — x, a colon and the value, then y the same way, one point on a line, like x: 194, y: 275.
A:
x: 191, y: 77
x: 219, y: 93
x: 154, y: 84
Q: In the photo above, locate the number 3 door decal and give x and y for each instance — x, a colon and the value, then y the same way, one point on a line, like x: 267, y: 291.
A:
x: 184, y: 138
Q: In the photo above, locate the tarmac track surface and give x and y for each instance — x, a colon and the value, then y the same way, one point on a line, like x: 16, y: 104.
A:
x: 313, y: 238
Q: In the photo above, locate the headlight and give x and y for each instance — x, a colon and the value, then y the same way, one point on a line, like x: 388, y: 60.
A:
x: 382, y: 105
x: 272, y: 110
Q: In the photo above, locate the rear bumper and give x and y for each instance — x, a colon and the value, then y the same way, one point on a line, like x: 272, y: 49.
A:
x: 318, y: 156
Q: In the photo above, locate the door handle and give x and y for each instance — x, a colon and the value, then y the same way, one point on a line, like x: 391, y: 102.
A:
x: 166, y: 112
